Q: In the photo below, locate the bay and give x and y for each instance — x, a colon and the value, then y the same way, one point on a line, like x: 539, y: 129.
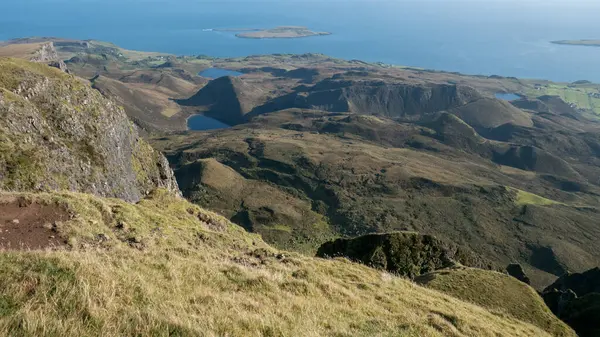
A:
x: 491, y: 37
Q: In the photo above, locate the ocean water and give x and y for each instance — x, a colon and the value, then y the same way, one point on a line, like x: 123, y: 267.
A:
x: 502, y: 37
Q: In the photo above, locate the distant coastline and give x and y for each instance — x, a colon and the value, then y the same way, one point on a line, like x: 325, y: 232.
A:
x: 587, y: 43
x: 282, y: 32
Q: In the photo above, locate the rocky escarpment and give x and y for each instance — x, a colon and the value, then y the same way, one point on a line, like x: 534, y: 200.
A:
x: 57, y: 133
x: 400, y: 101
x: 575, y: 298
x: 374, y: 97
x: 48, y: 54
x: 404, y: 253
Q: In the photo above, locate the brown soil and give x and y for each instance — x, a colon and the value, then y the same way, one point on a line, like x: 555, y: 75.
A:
x: 25, y: 225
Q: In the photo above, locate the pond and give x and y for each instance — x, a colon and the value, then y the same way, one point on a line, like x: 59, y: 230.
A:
x: 203, y: 123
x: 213, y: 73
x: 507, y: 97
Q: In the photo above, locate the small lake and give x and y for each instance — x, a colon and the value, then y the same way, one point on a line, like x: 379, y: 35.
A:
x: 507, y: 97
x: 203, y: 123
x: 218, y: 72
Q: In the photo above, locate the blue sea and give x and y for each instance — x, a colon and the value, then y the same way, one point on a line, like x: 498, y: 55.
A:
x: 502, y: 37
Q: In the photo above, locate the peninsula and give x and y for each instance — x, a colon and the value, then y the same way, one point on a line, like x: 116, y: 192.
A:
x: 282, y: 32
x: 589, y: 43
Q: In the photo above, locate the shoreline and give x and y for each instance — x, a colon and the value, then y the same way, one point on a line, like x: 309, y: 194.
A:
x: 280, y: 32
x: 346, y: 58
x: 187, y: 125
x: 583, y: 43
x: 241, y: 36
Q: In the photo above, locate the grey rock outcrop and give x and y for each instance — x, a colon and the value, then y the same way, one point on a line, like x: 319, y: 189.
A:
x: 57, y: 133
x: 48, y: 54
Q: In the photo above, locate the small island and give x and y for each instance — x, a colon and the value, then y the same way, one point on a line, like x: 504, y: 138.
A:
x: 283, y: 32
x: 588, y: 43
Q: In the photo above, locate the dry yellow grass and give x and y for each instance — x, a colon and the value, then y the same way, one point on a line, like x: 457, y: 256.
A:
x: 156, y: 269
x: 497, y: 292
x: 25, y: 51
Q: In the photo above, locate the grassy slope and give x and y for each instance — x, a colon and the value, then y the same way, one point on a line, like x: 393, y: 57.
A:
x: 25, y: 51
x: 364, y: 187
x: 497, y: 292
x: 163, y: 272
x: 580, y: 95
x: 526, y: 198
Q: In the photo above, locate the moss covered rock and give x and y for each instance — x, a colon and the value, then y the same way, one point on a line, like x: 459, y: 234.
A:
x: 57, y: 133
x: 404, y: 253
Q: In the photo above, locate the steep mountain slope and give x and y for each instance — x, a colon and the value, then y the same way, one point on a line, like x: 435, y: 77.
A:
x: 167, y: 267
x: 352, y: 175
x: 57, y: 133
x: 373, y: 97
x: 488, y: 113
x: 400, y: 100
x: 255, y: 205
x: 148, y: 108
x: 227, y: 99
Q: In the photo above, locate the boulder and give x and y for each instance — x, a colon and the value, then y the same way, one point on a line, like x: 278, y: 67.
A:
x: 60, y: 65
x: 404, y: 253
x: 516, y: 270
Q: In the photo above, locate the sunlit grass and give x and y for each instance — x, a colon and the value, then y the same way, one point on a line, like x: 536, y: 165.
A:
x: 526, y: 198
x: 165, y: 267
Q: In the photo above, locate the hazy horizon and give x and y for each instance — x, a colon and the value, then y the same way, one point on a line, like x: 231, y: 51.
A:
x: 504, y: 37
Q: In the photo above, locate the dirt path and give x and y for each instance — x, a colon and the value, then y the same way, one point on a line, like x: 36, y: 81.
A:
x: 25, y: 225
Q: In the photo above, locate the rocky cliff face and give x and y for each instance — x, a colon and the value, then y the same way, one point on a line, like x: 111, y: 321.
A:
x: 57, y: 133
x: 575, y: 298
x: 374, y: 97
x: 48, y: 54
x: 400, y: 101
